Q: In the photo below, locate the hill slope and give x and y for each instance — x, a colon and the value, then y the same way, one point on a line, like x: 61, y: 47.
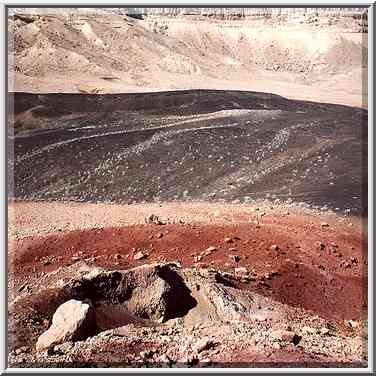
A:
x: 189, y: 145
x: 112, y: 54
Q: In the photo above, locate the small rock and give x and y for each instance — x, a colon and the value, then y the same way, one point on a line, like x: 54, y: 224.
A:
x: 21, y: 350
x: 164, y: 359
x: 232, y: 250
x: 320, y: 245
x: 159, y: 235
x: 353, y: 324
x: 286, y: 336
x: 205, y: 361
x: 228, y: 240
x: 235, y: 258
x: 308, y: 330
x: 146, y: 354
x: 296, y: 339
x: 73, y: 320
x: 211, y: 249
x: 241, y: 271
x: 198, y: 258
x: 24, y: 286
x: 202, y: 344
x: 324, y: 224
x: 274, y: 247
x: 267, y: 276
x: 76, y: 258
x: 64, y: 348
x: 153, y: 219
x: 139, y: 256
x: 275, y: 273
x: 276, y: 346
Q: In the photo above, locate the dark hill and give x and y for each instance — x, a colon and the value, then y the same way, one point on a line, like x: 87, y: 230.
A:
x: 187, y: 145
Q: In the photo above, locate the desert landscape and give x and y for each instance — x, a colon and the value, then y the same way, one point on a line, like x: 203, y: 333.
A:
x: 187, y: 187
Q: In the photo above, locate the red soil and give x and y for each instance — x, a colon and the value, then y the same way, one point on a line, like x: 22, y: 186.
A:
x: 331, y: 282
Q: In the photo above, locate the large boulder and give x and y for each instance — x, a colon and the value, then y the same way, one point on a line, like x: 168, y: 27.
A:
x: 73, y: 321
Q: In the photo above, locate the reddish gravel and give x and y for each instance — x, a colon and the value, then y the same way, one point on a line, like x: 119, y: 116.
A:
x: 326, y: 281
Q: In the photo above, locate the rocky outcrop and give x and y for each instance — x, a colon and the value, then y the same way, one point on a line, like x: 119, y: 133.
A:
x: 72, y: 321
x: 89, y: 300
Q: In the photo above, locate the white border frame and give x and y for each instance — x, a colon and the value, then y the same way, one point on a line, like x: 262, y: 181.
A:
x: 156, y: 3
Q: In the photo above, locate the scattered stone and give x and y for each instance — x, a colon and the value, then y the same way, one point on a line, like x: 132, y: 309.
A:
x: 324, y: 331
x: 153, y: 219
x: 64, y: 348
x: 139, y: 256
x: 307, y: 330
x: 296, y: 339
x: 274, y: 273
x: 164, y: 359
x: 353, y: 324
x: 72, y: 321
x: 241, y: 271
x: 24, y: 286
x: 22, y: 350
x: 205, y: 361
x: 235, y: 258
x: 264, y: 284
x: 202, y: 344
x: 286, y: 336
x: 320, y: 245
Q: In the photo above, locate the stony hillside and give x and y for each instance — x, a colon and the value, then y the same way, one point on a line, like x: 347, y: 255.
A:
x: 73, y: 52
x: 188, y: 145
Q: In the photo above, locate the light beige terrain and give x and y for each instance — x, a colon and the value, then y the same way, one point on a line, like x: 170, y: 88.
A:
x: 323, y: 61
